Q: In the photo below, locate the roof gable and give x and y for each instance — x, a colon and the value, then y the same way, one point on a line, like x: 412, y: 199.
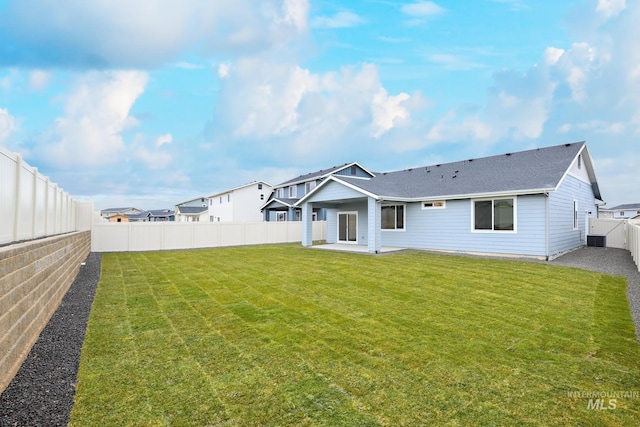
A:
x: 344, y: 169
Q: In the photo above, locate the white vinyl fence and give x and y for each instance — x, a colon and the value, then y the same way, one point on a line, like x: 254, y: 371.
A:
x: 634, y: 241
x: 614, y: 229
x: 153, y: 236
x: 621, y: 233
x: 32, y: 207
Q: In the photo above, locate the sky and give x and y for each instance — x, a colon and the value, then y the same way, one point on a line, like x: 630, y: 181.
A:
x: 149, y: 103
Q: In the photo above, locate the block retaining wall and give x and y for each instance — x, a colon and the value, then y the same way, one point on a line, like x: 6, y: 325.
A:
x: 34, y: 277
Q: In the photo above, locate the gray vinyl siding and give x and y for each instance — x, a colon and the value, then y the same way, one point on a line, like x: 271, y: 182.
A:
x: 562, y: 236
x: 360, y: 173
x: 450, y: 229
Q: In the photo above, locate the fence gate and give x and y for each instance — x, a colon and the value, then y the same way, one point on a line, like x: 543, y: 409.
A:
x: 614, y: 229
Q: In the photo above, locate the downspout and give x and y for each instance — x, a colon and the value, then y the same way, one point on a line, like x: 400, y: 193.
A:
x: 375, y: 227
x: 546, y: 219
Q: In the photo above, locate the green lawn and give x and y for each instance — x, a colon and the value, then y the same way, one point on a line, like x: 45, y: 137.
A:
x: 280, y: 335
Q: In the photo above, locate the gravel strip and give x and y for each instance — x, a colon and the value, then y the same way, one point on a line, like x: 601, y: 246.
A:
x: 41, y: 394
x: 610, y: 261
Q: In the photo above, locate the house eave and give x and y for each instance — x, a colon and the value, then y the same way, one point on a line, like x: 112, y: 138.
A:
x: 469, y: 195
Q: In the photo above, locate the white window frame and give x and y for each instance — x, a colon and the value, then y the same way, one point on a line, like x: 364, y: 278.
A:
x: 309, y: 185
x: 576, y: 218
x: 280, y: 193
x: 293, y: 191
x: 404, y: 218
x: 442, y: 204
x: 493, y: 199
x: 281, y: 216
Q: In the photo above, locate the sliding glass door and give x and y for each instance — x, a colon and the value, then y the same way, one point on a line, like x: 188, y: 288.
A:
x: 347, y: 227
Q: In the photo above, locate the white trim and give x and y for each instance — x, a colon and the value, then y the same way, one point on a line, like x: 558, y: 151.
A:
x: 492, y: 231
x: 236, y: 188
x: 332, y: 178
x: 575, y: 220
x: 338, y: 227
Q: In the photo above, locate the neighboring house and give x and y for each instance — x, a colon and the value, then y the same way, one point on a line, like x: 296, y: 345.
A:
x: 118, y: 218
x: 157, y: 215
x: 533, y: 203
x: 194, y: 210
x: 113, y: 212
x: 621, y: 211
x: 240, y: 204
x: 281, y: 205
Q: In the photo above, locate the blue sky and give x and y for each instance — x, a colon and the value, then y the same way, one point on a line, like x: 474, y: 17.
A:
x: 153, y: 102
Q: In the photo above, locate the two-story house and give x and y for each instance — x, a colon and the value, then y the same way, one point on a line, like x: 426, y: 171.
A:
x: 239, y: 204
x: 281, y: 203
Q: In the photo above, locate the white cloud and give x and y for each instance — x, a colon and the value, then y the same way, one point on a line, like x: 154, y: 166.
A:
x: 388, y: 111
x: 7, y: 124
x: 301, y: 112
x: 422, y: 9
x: 96, y: 113
x: 610, y: 8
x: 342, y: 19
x: 167, y: 138
x: 142, y: 33
x: 224, y: 70
x: 39, y: 79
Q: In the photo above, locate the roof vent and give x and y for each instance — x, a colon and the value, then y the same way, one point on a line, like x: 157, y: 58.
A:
x: 409, y: 170
x: 428, y: 170
x: 454, y: 176
x: 456, y: 171
x: 508, y: 154
x: 471, y: 160
x: 437, y: 166
x: 567, y: 145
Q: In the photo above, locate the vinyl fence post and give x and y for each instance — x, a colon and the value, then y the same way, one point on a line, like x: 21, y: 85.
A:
x: 16, y: 212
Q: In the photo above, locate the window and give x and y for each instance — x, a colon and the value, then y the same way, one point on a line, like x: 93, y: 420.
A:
x: 229, y: 197
x: 211, y: 218
x: 308, y: 186
x: 293, y: 192
x: 259, y: 186
x: 580, y: 161
x: 262, y: 197
x: 280, y: 192
x: 354, y: 170
x: 433, y: 205
x: 210, y: 202
x: 393, y: 217
x: 281, y: 216
x: 494, y: 215
x: 220, y: 199
x: 576, y: 225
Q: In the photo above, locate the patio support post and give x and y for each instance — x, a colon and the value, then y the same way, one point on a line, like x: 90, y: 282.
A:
x: 373, y: 225
x: 307, y: 224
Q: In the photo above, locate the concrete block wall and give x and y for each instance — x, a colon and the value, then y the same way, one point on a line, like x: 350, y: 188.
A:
x: 34, y: 277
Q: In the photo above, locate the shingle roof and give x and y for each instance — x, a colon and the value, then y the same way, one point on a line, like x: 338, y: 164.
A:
x: 530, y: 170
x: 317, y: 174
x: 628, y: 206
x: 186, y: 210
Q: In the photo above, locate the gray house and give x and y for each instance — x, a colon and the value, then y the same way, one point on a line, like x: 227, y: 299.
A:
x: 629, y: 210
x: 533, y: 203
x: 281, y: 205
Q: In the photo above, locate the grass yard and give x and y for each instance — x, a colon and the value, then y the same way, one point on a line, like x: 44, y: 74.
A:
x: 280, y: 335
